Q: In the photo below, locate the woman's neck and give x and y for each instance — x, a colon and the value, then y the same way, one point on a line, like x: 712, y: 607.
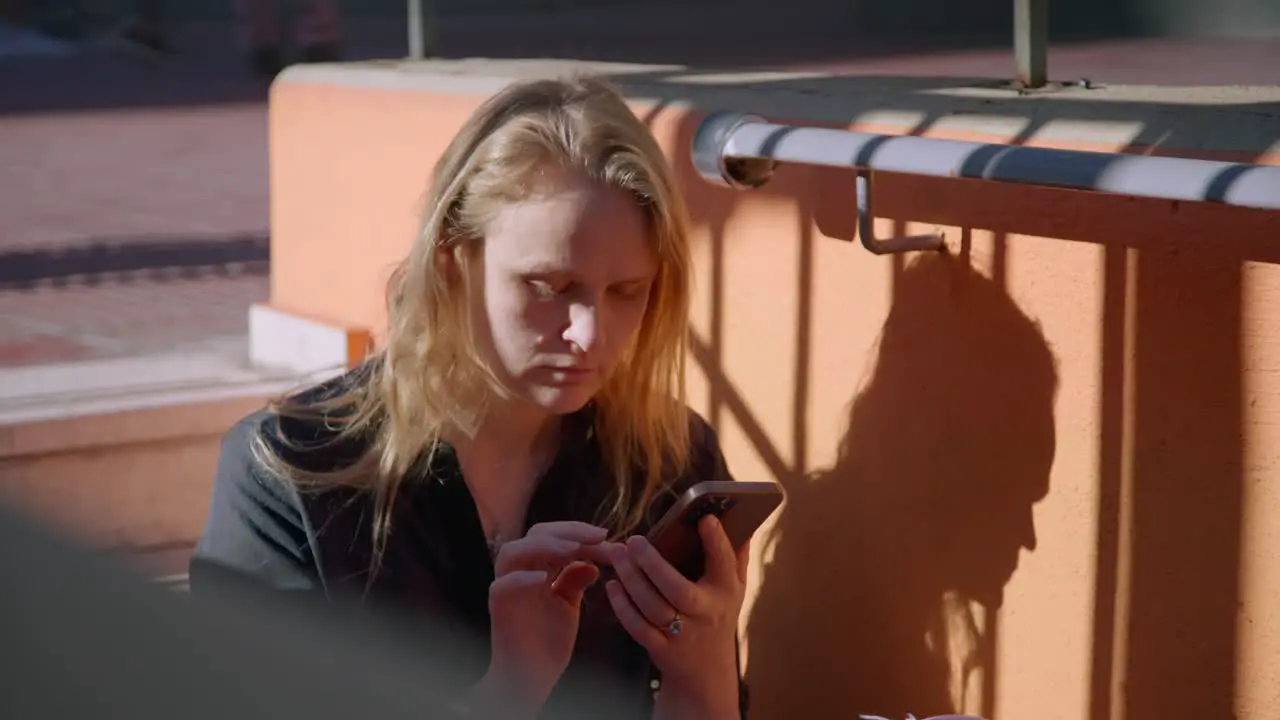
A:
x: 501, y: 464
x: 514, y: 433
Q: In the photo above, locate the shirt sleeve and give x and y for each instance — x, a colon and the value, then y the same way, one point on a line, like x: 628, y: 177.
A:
x: 708, y: 461
x: 256, y: 532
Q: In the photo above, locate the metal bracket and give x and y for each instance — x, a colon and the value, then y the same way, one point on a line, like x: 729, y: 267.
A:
x: 748, y: 173
x: 887, y: 246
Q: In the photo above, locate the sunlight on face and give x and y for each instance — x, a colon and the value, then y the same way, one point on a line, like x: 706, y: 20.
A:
x: 566, y: 280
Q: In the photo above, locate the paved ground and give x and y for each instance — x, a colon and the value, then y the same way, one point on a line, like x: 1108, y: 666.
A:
x: 109, y: 160
x: 122, y: 317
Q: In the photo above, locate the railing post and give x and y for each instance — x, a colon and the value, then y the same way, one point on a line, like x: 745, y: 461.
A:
x: 421, y: 29
x: 1031, y: 42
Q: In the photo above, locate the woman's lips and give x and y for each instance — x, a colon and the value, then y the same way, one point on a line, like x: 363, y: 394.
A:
x: 571, y: 375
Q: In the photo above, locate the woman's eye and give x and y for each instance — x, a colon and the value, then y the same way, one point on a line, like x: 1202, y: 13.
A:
x: 544, y: 289
x: 631, y: 292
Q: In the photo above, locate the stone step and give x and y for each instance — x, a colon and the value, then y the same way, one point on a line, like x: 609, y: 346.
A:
x: 120, y: 454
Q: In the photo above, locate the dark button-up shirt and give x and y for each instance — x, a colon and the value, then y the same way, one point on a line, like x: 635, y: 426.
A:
x: 436, y: 564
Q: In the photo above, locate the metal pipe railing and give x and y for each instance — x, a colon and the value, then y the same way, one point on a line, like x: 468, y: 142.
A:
x: 741, y: 151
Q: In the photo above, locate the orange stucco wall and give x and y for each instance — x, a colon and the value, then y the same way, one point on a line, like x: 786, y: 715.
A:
x: 1035, y: 476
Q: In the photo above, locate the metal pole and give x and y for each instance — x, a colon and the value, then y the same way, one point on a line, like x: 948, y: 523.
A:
x: 740, y: 151
x: 418, y: 29
x: 1031, y: 42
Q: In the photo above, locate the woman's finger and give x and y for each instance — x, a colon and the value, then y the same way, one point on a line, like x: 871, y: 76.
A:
x: 640, y: 629
x: 721, y: 560
x: 510, y: 588
x: 544, y: 552
x: 646, y: 598
x: 679, y: 591
x: 744, y: 561
x: 579, y: 532
x: 572, y: 582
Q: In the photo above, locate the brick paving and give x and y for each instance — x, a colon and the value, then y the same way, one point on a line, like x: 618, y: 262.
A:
x: 133, y: 157
x: 123, y: 317
x: 108, y: 148
x: 172, y: 172
x: 128, y: 178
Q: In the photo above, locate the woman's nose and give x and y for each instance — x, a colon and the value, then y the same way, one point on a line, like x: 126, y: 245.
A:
x: 584, y: 327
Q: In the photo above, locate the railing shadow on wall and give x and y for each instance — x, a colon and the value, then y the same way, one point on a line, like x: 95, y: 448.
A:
x: 951, y: 440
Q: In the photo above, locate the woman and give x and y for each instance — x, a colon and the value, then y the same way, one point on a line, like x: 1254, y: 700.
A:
x: 518, y: 433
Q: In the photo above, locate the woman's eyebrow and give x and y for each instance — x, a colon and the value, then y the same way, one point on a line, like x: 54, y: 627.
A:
x: 543, y: 270
x: 548, y: 270
x: 637, y: 280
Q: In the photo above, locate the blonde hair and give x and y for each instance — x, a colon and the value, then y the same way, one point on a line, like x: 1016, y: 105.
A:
x: 428, y: 377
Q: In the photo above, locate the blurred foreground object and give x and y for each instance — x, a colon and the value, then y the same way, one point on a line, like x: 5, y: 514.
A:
x: 84, y: 638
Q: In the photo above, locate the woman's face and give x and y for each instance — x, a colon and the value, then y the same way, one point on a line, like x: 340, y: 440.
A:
x: 564, y: 284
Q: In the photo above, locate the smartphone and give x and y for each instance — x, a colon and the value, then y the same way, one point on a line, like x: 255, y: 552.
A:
x: 741, y: 506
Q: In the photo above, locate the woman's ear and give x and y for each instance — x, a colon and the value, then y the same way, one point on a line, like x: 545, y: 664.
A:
x: 447, y: 257
x: 445, y: 264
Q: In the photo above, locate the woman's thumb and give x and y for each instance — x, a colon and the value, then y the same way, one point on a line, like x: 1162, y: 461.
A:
x: 574, y: 580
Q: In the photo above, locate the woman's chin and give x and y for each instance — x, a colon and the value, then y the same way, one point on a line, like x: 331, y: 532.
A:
x: 561, y: 400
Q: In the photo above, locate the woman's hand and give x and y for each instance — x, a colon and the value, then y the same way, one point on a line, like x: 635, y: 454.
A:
x: 534, y: 604
x: 688, y: 628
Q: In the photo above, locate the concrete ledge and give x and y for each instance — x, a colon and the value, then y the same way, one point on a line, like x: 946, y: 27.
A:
x: 121, y: 454
x: 100, y: 387
x: 1234, y: 123
x: 285, y: 341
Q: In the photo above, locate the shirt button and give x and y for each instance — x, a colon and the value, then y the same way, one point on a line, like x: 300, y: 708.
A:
x: 655, y: 684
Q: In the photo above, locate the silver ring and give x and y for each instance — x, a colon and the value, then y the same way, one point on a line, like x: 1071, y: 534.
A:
x: 675, y: 626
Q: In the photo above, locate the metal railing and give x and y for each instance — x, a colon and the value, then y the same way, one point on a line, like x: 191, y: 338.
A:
x: 741, y: 151
x: 422, y: 28
x: 1031, y: 43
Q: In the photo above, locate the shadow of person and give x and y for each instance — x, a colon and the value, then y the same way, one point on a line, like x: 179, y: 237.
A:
x: 879, y: 566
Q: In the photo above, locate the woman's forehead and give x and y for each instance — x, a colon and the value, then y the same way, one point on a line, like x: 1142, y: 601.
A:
x: 583, y: 229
